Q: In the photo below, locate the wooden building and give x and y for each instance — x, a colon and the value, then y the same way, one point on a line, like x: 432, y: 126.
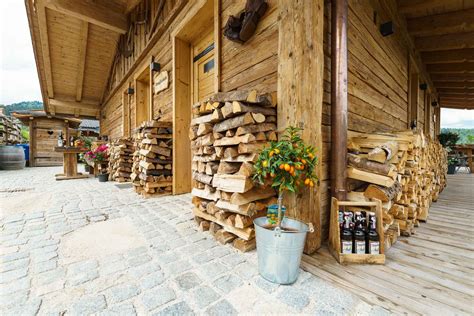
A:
x: 129, y: 61
x: 44, y: 130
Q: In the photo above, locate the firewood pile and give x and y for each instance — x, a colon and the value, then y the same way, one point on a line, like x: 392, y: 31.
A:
x: 121, y: 159
x: 152, y: 159
x: 226, y: 133
x: 405, y: 170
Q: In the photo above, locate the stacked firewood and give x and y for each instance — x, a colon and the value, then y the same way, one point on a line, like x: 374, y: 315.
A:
x: 121, y: 159
x: 404, y: 170
x: 226, y: 133
x: 152, y: 159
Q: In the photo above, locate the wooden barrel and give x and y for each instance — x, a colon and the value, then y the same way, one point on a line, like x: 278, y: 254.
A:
x: 12, y: 158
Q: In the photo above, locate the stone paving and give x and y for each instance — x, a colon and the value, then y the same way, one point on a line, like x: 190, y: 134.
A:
x: 179, y: 270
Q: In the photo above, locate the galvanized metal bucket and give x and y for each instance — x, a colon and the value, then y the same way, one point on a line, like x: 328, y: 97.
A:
x: 279, y: 252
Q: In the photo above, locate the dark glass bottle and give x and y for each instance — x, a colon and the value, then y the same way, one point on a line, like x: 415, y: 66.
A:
x: 359, y: 241
x: 373, y: 239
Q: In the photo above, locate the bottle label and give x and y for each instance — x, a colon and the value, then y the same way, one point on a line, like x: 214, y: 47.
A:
x: 374, y: 247
x: 360, y: 246
x: 346, y: 246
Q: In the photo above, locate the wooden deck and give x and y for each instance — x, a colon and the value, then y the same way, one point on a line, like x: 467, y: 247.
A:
x: 431, y: 272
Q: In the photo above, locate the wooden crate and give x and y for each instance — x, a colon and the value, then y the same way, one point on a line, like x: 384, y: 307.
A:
x: 334, y: 232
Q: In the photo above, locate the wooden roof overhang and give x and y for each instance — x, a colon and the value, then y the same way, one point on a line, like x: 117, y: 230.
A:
x: 26, y: 116
x: 443, y: 32
x: 74, y: 43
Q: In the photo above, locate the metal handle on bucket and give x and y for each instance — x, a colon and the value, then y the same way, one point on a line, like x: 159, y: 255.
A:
x: 310, y: 227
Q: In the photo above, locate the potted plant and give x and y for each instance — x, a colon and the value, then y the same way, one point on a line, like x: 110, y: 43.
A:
x: 287, y: 165
x: 100, y: 156
x: 452, y: 163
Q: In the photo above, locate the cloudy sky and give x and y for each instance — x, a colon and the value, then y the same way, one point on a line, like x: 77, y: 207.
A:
x: 18, y: 76
x: 19, y: 79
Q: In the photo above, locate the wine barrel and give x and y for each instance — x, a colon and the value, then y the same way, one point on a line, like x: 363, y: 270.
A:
x: 12, y: 158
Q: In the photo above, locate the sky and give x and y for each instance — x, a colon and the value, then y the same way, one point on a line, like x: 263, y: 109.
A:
x: 453, y: 118
x: 18, y: 76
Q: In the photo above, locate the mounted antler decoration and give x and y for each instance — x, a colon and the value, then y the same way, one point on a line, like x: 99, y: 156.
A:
x: 240, y: 29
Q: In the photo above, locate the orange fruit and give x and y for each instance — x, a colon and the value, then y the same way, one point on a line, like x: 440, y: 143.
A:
x: 272, y: 175
x: 306, y: 181
x: 303, y: 161
x: 287, y: 167
x: 265, y: 163
x: 282, y: 166
x: 311, y: 183
x: 292, y: 169
x: 277, y: 151
x: 271, y: 153
x: 311, y: 156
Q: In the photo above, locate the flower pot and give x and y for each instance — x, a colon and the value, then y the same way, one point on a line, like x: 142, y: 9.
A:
x: 87, y: 168
x: 103, y: 177
x: 279, y: 251
x: 451, y: 169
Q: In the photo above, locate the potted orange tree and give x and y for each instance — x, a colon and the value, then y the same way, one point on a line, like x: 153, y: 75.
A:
x: 287, y: 165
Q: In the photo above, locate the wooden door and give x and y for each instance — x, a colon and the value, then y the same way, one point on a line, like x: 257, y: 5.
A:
x: 203, y: 66
x: 142, y: 98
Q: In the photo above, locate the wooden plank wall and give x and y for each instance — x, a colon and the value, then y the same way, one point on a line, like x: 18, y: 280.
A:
x: 377, y: 84
x: 43, y: 151
x: 253, y: 65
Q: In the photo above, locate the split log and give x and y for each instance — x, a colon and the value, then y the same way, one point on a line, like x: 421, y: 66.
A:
x: 246, y: 169
x: 204, y: 128
x: 214, y: 228
x: 202, y: 177
x: 257, y: 193
x: 244, y: 245
x: 211, y: 168
x: 258, y: 117
x: 205, y: 194
x: 383, y: 194
x: 204, y: 225
x: 224, y: 237
x: 383, y: 152
x: 369, y: 177
x: 251, y: 147
x: 232, y: 183
x: 228, y: 167
x: 234, y: 122
x: 240, y: 107
x: 230, y: 141
x: 246, y: 209
x: 264, y: 127
x: 371, y: 166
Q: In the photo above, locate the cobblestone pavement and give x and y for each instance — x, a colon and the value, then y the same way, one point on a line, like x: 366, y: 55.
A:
x: 179, y: 271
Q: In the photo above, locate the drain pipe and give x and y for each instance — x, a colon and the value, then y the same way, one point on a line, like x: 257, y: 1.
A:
x: 338, y: 98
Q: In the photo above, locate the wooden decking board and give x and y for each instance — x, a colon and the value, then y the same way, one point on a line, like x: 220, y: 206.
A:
x: 431, y: 272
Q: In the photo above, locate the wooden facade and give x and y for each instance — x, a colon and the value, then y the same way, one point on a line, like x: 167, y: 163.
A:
x: 44, y: 131
x: 388, y: 85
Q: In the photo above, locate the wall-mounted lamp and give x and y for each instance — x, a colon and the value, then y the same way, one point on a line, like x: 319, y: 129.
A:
x: 387, y: 28
x: 434, y: 103
x: 423, y: 86
x: 413, y: 124
x: 155, y: 66
x: 130, y: 91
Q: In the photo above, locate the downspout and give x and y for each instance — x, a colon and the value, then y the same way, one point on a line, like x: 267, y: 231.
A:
x: 338, y: 98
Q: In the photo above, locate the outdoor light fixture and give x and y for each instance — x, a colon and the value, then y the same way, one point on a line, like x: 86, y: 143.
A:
x: 434, y: 103
x: 386, y: 28
x: 130, y: 91
x: 423, y: 86
x: 155, y: 66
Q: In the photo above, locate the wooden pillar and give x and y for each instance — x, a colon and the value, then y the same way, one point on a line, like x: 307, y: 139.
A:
x: 427, y: 113
x: 32, y: 131
x: 413, y: 99
x: 300, y: 94
x: 339, y: 110
x: 438, y: 121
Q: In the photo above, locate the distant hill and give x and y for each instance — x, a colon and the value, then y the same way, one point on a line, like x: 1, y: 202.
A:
x: 466, y: 135
x: 25, y: 105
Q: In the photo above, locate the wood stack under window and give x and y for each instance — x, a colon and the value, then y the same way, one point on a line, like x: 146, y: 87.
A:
x: 121, y: 159
x: 405, y: 170
x: 226, y: 133
x: 152, y: 159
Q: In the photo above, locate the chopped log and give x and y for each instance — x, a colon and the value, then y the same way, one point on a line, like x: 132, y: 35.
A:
x: 222, y: 215
x: 369, y: 177
x: 202, y: 177
x: 202, y: 119
x: 224, y: 237
x: 383, y: 152
x: 251, y: 147
x: 161, y: 150
x: 228, y: 167
x: 232, y: 183
x: 242, y: 158
x: 231, y: 220
x: 260, y: 137
x: 264, y: 127
x: 204, y: 226
x: 258, y: 117
x: 204, y: 128
x: 246, y: 169
x: 230, y: 152
x: 205, y: 194
x: 216, y: 115
x: 211, y: 208
x: 239, y: 107
x: 193, y: 134
x: 227, y: 110
x: 235, y: 95
x: 246, y: 209
x: 244, y: 245
x: 242, y: 221
x: 234, y: 122
x: 226, y: 195
x: 211, y: 168
x: 214, y: 228
x: 371, y: 166
x: 383, y: 194
x: 246, y: 233
x: 257, y: 193
x: 230, y: 141
x: 230, y: 133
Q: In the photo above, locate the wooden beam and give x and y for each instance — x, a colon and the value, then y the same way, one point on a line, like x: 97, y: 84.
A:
x: 445, y: 23
x: 454, y: 84
x: 421, y: 7
x: 465, y: 90
x: 73, y: 105
x: 82, y: 60
x: 44, y: 37
x: 465, y: 96
x: 451, y: 68
x: 300, y: 47
x: 449, y: 105
x: 445, y: 42
x: 453, y: 78
x: 449, y: 56
x: 96, y: 12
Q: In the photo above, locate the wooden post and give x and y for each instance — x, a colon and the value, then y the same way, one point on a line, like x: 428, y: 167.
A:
x: 32, y: 142
x: 338, y: 98
x: 427, y: 113
x: 413, y: 99
x: 300, y: 94
x: 438, y: 121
